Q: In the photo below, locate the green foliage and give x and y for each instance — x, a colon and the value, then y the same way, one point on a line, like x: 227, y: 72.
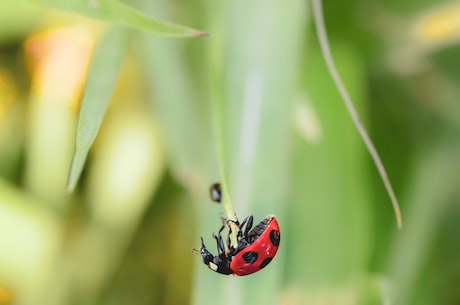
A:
x: 116, y: 12
x: 252, y: 105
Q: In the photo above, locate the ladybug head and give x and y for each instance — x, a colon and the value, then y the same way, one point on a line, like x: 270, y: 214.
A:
x: 205, y: 254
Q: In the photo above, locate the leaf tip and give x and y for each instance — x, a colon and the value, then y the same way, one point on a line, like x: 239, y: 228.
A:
x: 71, y: 180
x: 70, y: 186
x: 76, y: 168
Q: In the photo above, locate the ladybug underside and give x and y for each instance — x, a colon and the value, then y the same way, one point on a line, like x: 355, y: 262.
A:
x: 252, y: 243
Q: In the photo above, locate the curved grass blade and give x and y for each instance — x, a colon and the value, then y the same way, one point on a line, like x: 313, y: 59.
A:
x: 117, y: 12
x: 102, y: 77
x: 324, y: 44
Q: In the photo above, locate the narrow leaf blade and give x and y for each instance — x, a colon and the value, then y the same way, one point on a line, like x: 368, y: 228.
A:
x: 117, y: 12
x: 102, y: 77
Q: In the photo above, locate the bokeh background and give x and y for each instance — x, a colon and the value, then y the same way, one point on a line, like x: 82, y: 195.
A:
x: 124, y: 235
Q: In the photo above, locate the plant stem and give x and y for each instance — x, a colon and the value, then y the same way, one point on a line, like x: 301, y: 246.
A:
x: 219, y: 121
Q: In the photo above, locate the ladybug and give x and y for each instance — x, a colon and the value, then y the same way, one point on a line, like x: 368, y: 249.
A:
x: 255, y: 247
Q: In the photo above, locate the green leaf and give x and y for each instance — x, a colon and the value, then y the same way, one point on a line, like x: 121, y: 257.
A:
x: 429, y: 200
x: 102, y: 77
x: 117, y: 12
x: 330, y: 188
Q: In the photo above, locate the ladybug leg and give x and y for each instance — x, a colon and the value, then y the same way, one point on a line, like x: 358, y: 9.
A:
x: 202, y: 243
x: 248, y: 221
x: 230, y: 248
x: 239, y: 234
x: 220, y: 243
x: 219, y: 239
x: 236, y: 222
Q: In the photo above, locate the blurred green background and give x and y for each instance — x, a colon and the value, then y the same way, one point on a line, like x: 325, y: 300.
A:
x: 258, y: 82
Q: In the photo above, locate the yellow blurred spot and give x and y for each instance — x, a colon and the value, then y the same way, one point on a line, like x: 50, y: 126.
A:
x: 6, y: 297
x: 7, y: 93
x: 59, y: 59
x: 440, y: 25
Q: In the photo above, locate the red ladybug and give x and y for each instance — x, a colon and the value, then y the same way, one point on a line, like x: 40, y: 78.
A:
x: 255, y: 249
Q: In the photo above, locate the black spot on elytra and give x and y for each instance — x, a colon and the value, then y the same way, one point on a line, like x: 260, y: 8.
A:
x: 250, y: 257
x: 266, y: 262
x: 275, y: 237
